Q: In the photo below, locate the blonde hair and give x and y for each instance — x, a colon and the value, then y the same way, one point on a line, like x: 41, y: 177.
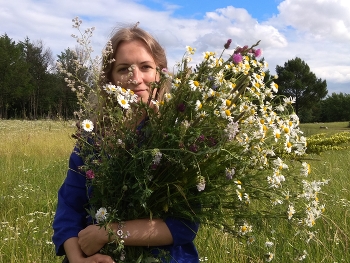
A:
x: 130, y: 33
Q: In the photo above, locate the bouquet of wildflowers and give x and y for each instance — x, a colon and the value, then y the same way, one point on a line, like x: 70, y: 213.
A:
x: 221, y: 148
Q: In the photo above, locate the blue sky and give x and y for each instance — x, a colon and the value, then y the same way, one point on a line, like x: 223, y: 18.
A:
x: 261, y: 9
x: 317, y: 31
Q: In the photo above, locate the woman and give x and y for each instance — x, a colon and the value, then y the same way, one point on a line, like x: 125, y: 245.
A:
x: 73, y: 236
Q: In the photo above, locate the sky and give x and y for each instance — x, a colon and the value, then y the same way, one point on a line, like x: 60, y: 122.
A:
x: 317, y: 31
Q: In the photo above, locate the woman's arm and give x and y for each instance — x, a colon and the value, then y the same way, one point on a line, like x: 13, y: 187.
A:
x: 76, y: 255
x: 143, y: 232
x: 70, y: 215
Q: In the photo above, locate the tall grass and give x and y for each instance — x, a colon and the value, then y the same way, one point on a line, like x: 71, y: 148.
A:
x: 33, y: 163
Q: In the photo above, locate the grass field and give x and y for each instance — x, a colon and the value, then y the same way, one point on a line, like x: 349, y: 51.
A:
x: 33, y: 163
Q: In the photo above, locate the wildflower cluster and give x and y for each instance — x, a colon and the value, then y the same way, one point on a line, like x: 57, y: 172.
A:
x: 220, y: 148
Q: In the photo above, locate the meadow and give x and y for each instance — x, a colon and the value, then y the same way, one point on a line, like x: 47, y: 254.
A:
x: 33, y: 163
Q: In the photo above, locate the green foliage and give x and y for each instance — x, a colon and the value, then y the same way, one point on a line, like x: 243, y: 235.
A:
x: 322, y: 142
x: 30, y: 88
x: 14, y: 76
x: 336, y: 108
x: 296, y: 80
x: 33, y: 161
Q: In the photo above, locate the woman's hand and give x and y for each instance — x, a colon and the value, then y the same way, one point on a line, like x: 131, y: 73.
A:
x: 76, y: 255
x: 97, y: 258
x: 92, y: 239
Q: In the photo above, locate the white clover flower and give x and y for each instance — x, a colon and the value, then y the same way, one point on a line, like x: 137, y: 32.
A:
x: 231, y: 130
x: 186, y: 124
x: 157, y: 157
x: 230, y: 173
x: 87, y: 125
x: 268, y: 244
x: 291, y: 211
x: 101, y: 215
x: 201, y: 183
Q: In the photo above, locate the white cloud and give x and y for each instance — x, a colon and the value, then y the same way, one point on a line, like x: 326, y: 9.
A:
x: 324, y: 19
x: 317, y: 31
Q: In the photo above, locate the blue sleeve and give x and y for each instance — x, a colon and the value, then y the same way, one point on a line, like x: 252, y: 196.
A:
x: 183, y: 249
x: 183, y: 231
x: 70, y: 216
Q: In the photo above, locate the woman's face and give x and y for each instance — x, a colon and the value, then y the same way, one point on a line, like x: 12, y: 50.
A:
x: 134, y: 68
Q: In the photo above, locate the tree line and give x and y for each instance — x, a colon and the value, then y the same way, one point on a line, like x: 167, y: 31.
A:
x: 31, y: 87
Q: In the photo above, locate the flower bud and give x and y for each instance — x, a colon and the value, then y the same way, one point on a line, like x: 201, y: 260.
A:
x: 228, y: 43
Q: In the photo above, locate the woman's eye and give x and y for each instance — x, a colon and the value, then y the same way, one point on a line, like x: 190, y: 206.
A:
x: 122, y: 70
x: 147, y: 67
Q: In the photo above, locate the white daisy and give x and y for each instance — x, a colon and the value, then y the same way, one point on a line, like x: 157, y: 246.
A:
x: 123, y: 102
x: 110, y: 88
x: 101, y: 214
x: 87, y: 125
x: 198, y: 105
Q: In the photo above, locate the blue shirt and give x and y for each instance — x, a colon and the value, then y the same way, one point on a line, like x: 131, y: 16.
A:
x: 71, y: 217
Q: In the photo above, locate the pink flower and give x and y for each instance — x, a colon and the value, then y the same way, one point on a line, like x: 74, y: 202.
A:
x: 237, y: 58
x: 90, y: 174
x: 257, y: 52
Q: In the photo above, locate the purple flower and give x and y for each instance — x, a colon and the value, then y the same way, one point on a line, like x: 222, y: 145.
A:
x: 212, y: 141
x: 90, y: 174
x: 228, y: 43
x: 230, y: 173
x: 154, y: 166
x: 201, y: 138
x: 181, y: 107
x: 193, y: 148
x: 257, y: 52
x: 237, y: 58
x: 241, y: 49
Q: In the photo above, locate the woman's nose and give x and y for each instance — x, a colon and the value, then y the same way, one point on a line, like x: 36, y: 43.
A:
x: 137, y: 76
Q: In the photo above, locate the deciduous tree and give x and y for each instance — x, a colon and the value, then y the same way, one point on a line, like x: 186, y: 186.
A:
x: 295, y: 79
